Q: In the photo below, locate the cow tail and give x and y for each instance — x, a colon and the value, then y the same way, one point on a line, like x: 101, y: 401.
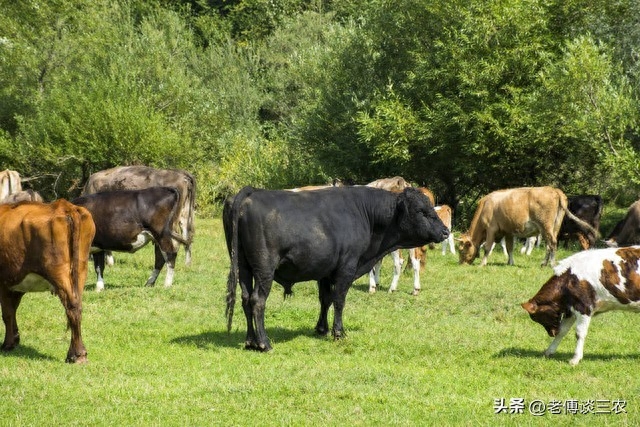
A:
x: 192, y: 207
x: 74, y: 251
x: 169, y: 226
x: 586, y: 227
x: 232, y: 281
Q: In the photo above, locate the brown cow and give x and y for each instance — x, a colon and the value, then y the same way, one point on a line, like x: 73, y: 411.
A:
x: 141, y: 177
x: 9, y: 183
x: 517, y: 212
x: 23, y: 196
x: 44, y: 247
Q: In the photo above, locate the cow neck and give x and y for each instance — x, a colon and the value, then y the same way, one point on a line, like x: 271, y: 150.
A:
x: 476, y: 231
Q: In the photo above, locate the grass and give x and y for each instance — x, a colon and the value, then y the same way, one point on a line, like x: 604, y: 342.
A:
x: 163, y: 356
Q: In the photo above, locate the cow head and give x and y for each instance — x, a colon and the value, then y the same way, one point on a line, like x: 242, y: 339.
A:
x: 549, y: 315
x: 467, y: 250
x: 419, y: 224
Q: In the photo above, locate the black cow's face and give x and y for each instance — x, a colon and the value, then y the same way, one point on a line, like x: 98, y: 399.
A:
x: 418, y: 220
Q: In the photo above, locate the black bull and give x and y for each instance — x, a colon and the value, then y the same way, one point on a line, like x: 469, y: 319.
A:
x: 333, y: 236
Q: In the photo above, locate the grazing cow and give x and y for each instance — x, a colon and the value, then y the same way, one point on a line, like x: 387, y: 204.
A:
x: 140, y: 177
x: 9, y: 183
x: 127, y: 220
x: 627, y: 231
x: 517, y: 212
x: 44, y: 247
x: 589, y: 209
x: 583, y: 285
x: 333, y: 236
x: 23, y: 196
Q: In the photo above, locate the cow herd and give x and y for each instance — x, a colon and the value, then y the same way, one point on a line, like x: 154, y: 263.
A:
x: 330, y: 234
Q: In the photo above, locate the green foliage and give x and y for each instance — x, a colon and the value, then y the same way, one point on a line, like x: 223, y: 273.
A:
x: 462, y: 96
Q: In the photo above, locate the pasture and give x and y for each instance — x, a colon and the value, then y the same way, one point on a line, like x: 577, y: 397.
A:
x: 446, y: 357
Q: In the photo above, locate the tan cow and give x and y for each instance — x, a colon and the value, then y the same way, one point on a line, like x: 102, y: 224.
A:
x: 141, y: 177
x: 517, y: 212
x: 9, y: 183
x: 44, y: 247
x: 395, y: 184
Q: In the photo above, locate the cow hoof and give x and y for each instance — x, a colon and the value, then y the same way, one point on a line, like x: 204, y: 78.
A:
x: 415, y: 292
x: 7, y: 348
x: 321, y: 331
x: 372, y: 290
x: 77, y: 359
x: 150, y: 284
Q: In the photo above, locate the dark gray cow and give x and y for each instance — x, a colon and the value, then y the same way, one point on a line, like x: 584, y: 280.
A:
x: 332, y: 235
x: 127, y: 220
x: 140, y: 177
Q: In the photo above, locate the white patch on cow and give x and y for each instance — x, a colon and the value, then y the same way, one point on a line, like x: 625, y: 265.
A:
x: 33, y: 283
x: 587, y: 265
x: 168, y: 279
x: 141, y: 240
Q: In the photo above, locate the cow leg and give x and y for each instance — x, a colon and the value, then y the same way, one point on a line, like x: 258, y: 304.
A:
x: 397, y: 270
x: 339, y: 295
x: 257, y: 301
x: 585, y: 242
x: 374, y: 277
x: 550, y: 257
x: 324, y: 294
x: 415, y: 264
x: 488, y: 247
x: 98, y: 265
x: 246, y: 285
x: 565, y: 326
x: 582, y: 327
x: 170, y: 258
x: 72, y: 303
x: 509, y: 243
x: 10, y: 301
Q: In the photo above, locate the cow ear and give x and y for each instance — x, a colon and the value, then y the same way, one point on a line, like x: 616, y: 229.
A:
x: 530, y: 306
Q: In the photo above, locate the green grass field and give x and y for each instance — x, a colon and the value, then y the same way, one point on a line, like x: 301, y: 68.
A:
x: 446, y: 357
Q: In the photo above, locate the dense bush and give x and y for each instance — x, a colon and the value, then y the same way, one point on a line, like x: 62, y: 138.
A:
x: 462, y: 96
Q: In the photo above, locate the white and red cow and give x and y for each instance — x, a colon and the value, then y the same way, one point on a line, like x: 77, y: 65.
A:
x: 517, y: 212
x: 583, y: 285
x: 44, y: 247
x: 141, y: 177
x: 9, y: 183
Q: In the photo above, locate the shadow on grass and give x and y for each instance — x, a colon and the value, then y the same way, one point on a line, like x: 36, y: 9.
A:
x: 26, y: 352
x: 562, y: 356
x: 235, y: 339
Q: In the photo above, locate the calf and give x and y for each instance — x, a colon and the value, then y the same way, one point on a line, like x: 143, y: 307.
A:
x: 127, y: 220
x: 583, y: 285
x: 332, y: 235
x: 44, y: 247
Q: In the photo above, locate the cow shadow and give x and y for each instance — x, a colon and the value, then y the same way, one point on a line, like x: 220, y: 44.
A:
x: 562, y: 356
x: 235, y: 339
x: 26, y: 352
